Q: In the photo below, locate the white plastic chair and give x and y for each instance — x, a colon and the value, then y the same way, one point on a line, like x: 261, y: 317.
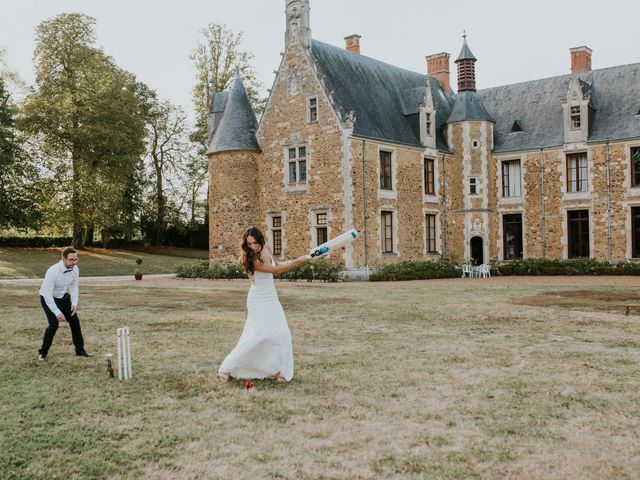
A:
x: 466, y: 271
x: 484, y: 270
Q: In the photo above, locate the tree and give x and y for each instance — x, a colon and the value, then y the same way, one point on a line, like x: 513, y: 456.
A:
x: 90, y: 116
x: 217, y: 59
x: 19, y: 183
x: 167, y: 146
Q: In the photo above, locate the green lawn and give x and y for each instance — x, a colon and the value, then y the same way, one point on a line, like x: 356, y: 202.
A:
x: 413, y: 380
x: 33, y: 262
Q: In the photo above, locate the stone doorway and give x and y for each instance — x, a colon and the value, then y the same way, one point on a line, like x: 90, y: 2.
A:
x: 477, y: 250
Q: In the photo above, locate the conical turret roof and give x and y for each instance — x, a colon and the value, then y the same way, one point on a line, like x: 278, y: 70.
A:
x: 237, y: 127
x: 465, y: 53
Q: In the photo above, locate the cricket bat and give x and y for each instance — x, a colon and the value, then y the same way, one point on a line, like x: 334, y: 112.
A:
x: 334, y: 243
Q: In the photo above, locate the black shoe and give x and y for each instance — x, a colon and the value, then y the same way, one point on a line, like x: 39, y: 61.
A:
x: 83, y: 354
x: 42, y: 357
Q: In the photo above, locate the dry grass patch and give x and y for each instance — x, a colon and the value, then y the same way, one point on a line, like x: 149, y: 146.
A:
x: 605, y: 300
x: 410, y: 380
x: 33, y: 262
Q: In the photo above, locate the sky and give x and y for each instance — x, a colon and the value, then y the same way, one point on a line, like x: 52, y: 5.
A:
x: 513, y: 41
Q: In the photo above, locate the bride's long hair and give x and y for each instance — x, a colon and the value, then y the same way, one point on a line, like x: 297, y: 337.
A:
x: 247, y: 256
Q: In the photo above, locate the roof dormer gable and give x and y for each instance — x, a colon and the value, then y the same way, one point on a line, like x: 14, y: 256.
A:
x: 575, y: 110
x: 428, y: 117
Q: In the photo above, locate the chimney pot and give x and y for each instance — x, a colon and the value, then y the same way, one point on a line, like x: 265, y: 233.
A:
x: 580, y: 59
x: 353, y: 43
x: 438, y: 68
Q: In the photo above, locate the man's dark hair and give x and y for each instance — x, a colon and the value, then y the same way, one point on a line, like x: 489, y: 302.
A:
x: 67, y: 251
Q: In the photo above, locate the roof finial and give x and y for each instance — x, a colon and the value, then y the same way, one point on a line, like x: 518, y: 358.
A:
x: 237, y: 70
x: 464, y: 34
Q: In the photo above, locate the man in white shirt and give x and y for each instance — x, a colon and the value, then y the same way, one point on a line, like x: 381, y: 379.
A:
x: 59, y: 299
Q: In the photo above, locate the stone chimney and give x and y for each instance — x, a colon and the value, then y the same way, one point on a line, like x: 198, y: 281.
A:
x: 297, y: 13
x: 580, y: 59
x: 438, y: 68
x: 353, y: 43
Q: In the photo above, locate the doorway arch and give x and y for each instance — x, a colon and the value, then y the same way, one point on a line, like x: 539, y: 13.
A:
x: 477, y: 250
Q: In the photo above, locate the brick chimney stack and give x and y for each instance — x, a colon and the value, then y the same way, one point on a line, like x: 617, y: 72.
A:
x: 580, y: 59
x: 353, y: 43
x: 438, y: 68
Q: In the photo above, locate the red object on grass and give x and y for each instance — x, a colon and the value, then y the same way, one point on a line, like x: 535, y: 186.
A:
x: 249, y: 384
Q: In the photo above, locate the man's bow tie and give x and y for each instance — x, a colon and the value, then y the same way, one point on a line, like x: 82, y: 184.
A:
x: 70, y: 270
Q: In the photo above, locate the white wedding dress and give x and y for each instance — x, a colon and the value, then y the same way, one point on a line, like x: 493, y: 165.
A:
x: 264, y: 349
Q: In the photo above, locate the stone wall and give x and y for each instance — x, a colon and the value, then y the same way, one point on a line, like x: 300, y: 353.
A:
x: 405, y: 200
x: 232, y: 202
x: 285, y: 125
x: 343, y: 172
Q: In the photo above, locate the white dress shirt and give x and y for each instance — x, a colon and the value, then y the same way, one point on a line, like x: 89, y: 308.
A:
x: 58, y: 281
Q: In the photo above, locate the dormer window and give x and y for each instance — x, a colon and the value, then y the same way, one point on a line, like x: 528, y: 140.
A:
x: 516, y: 127
x: 427, y: 118
x: 575, y: 118
x: 576, y: 110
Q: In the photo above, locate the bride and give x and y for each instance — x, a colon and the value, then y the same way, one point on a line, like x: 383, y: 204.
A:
x: 264, y: 349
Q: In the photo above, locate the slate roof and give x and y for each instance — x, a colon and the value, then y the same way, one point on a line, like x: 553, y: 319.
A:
x: 384, y: 98
x: 468, y: 106
x: 465, y: 53
x: 236, y: 122
x: 218, y: 104
x: 537, y: 105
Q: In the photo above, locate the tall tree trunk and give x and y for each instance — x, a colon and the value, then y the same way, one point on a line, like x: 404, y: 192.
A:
x: 89, y: 237
x: 76, y: 205
x: 161, y: 209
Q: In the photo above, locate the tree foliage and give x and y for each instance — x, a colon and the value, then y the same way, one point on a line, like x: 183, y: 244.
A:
x: 167, y: 147
x: 91, y: 117
x: 217, y: 58
x: 19, y: 184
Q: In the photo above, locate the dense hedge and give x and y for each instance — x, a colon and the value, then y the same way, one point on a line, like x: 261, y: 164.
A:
x: 310, y: 271
x: 443, y: 267
x: 317, y: 270
x: 49, y: 242
x: 446, y: 268
x: 582, y: 266
x: 35, y: 242
x: 203, y: 270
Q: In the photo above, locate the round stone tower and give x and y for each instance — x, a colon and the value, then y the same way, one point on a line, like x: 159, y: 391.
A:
x: 232, y: 153
x: 470, y: 136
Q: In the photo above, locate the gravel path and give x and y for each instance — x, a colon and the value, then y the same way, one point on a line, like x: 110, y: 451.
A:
x: 163, y: 280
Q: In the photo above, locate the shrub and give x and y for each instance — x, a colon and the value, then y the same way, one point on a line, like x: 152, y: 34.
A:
x: 443, y: 267
x: 35, y: 242
x: 310, y: 271
x: 579, y: 266
x: 202, y: 269
x: 317, y: 270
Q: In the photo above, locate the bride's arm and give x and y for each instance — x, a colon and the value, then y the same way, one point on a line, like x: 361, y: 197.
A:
x: 280, y: 266
x: 267, y: 246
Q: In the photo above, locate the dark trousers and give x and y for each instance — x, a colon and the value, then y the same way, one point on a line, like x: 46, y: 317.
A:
x: 64, y: 304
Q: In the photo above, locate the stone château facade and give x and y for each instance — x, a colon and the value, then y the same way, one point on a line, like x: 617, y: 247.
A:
x: 544, y: 168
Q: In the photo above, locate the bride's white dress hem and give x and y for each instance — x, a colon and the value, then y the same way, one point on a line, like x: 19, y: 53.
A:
x: 264, y: 349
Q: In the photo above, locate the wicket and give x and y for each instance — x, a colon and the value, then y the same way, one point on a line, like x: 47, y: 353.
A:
x: 124, y: 353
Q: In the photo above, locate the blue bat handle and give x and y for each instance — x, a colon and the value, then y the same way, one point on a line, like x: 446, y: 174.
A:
x: 320, y: 251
